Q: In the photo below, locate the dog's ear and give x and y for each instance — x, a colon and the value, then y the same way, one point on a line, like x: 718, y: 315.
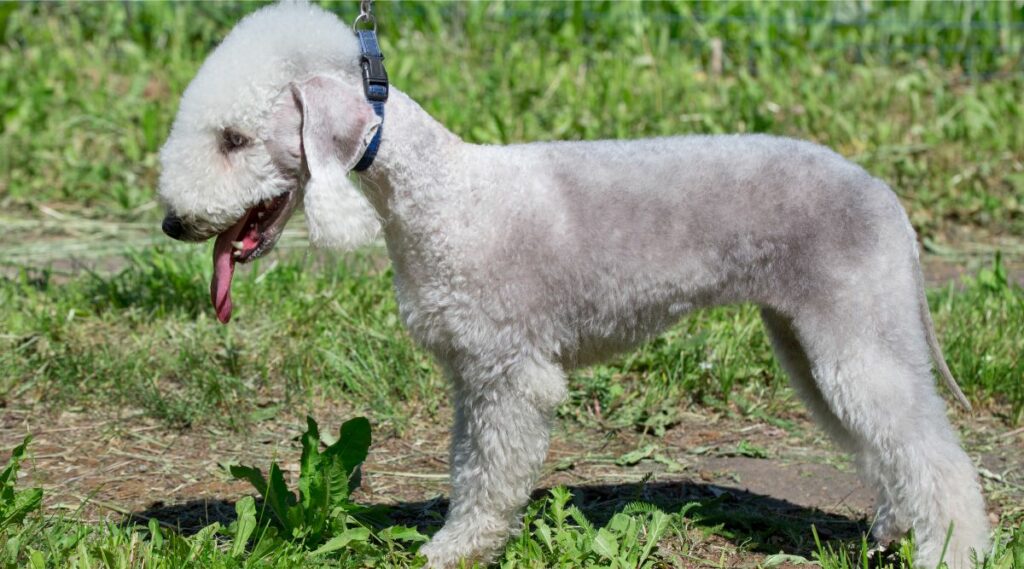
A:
x: 337, y: 125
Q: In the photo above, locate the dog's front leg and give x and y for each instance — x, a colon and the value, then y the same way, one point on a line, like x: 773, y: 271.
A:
x: 499, y: 441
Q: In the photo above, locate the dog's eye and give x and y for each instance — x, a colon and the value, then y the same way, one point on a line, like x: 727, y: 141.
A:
x: 232, y: 140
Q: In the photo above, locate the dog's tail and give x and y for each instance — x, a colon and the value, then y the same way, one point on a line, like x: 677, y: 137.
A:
x: 933, y: 342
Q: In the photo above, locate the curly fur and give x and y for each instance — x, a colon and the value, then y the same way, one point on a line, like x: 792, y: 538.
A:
x: 514, y: 264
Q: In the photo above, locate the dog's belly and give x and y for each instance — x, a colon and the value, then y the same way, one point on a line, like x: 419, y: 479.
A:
x: 582, y: 307
x: 606, y: 320
x: 574, y: 323
x: 598, y: 340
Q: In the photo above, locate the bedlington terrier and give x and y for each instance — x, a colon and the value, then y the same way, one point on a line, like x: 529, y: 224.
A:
x: 514, y: 264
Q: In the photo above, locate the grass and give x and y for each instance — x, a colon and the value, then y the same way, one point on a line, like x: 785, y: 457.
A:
x: 556, y: 533
x: 87, y: 91
x: 309, y: 328
x: 107, y: 338
x: 924, y: 95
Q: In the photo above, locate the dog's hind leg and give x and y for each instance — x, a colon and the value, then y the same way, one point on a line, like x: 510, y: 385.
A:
x: 794, y: 362
x: 887, y: 527
x: 870, y: 360
x: 503, y: 418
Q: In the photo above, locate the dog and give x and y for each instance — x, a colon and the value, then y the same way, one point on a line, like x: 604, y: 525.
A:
x: 514, y: 264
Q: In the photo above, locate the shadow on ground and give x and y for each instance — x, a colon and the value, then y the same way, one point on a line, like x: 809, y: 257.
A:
x: 753, y: 522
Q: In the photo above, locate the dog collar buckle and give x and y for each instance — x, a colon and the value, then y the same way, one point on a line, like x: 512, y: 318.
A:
x: 375, y: 87
x: 371, y: 60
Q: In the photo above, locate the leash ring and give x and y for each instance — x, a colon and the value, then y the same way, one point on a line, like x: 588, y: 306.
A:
x: 365, y: 18
x: 365, y: 15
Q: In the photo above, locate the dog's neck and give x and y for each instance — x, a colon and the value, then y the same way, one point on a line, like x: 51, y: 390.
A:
x: 410, y: 167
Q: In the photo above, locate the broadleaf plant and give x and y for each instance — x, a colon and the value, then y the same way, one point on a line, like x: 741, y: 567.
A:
x: 15, y: 504
x: 323, y: 508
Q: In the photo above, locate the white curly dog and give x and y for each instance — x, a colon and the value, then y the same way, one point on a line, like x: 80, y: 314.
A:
x: 514, y: 264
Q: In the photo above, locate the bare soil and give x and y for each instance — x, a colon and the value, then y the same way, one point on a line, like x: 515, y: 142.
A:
x: 759, y: 485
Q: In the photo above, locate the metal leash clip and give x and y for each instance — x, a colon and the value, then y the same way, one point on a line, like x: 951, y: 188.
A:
x: 365, y: 15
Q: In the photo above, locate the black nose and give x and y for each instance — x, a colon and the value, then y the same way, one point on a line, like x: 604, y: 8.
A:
x: 173, y: 227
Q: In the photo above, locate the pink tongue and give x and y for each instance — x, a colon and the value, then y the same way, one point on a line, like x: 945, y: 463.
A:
x: 223, y: 270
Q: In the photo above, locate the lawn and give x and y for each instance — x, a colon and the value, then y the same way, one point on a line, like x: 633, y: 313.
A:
x: 107, y: 341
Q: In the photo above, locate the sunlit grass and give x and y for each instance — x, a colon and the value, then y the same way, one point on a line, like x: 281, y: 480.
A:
x: 925, y: 95
x: 146, y: 336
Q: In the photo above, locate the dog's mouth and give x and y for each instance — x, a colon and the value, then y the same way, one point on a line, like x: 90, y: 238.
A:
x: 249, y: 238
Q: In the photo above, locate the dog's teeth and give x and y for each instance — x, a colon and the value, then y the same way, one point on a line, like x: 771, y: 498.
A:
x: 238, y: 245
x: 261, y: 214
x: 238, y: 254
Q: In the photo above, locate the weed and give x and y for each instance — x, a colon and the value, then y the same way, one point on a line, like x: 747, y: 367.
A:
x: 16, y: 504
x: 326, y: 480
x: 560, y: 535
x: 322, y: 518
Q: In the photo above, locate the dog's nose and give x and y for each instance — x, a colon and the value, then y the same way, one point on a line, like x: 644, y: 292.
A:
x: 173, y: 227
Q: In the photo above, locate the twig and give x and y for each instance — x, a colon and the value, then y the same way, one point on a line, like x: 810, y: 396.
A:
x: 1012, y: 433
x: 425, y: 476
x: 137, y: 456
x: 108, y: 505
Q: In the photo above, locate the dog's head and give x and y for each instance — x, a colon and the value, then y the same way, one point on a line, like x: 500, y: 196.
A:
x: 274, y: 117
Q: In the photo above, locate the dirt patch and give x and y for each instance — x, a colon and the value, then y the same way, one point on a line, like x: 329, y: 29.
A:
x: 764, y: 485
x: 942, y: 270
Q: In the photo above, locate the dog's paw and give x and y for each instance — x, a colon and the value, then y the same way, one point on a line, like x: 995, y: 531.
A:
x: 441, y: 554
x: 882, y: 553
x: 888, y: 528
x: 449, y: 549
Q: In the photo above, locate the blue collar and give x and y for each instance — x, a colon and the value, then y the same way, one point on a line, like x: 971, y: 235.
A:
x: 375, y: 87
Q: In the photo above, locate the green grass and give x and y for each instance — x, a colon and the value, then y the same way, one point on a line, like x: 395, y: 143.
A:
x: 556, y: 533
x: 572, y: 543
x: 145, y: 337
x: 925, y: 95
